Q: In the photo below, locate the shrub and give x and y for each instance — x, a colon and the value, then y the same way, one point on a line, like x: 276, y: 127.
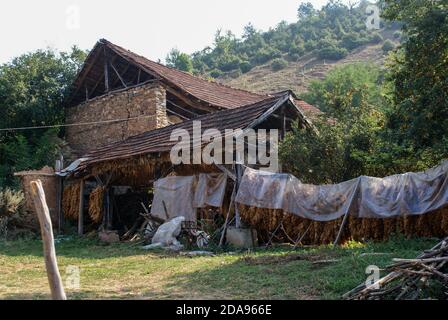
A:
x: 296, y: 50
x: 332, y: 53
x: 265, y: 54
x: 229, y: 63
x: 388, y: 46
x: 10, y: 207
x: 10, y: 202
x: 245, y: 66
x: 215, y: 73
x: 397, y: 34
x: 279, y: 64
x: 293, y: 56
x: 376, y: 38
x: 352, y: 41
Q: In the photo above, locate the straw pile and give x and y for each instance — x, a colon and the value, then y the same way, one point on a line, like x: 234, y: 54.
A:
x: 434, y: 224
x: 96, y: 204
x: 70, y: 201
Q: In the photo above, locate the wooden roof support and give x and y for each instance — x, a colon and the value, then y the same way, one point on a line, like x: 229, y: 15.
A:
x: 81, y: 209
x: 185, y: 99
x: 106, y: 71
x: 182, y: 108
x: 118, y: 75
x: 177, y: 114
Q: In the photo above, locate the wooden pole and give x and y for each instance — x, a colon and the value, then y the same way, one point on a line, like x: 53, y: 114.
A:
x: 106, y: 71
x: 344, y: 222
x: 81, y: 209
x: 239, y: 172
x: 224, y: 227
x: 43, y: 214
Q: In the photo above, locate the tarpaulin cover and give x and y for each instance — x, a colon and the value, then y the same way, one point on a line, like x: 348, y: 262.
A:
x: 363, y: 197
x: 183, y: 194
x: 177, y: 194
x: 210, y: 190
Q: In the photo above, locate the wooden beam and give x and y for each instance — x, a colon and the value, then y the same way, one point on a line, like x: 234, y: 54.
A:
x: 81, y: 209
x: 128, y: 66
x: 182, y: 108
x: 43, y: 214
x: 101, y: 78
x: 106, y: 71
x: 282, y: 117
x: 118, y: 75
x: 86, y: 68
x: 189, y: 101
x: 139, y: 75
x: 239, y: 174
x: 60, y: 192
x: 177, y: 114
x: 269, y: 112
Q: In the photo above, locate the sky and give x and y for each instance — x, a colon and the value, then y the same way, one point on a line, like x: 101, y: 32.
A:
x: 148, y: 27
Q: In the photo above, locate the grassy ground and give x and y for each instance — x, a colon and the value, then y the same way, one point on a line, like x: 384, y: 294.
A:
x: 127, y: 272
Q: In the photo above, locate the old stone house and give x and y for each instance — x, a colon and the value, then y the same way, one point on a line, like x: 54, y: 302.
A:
x: 119, y: 118
x: 116, y: 84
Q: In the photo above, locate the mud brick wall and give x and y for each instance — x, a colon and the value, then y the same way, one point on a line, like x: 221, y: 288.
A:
x: 148, y: 102
x: 49, y: 183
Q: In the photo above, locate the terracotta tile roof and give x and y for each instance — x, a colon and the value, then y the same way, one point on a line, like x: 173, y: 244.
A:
x: 158, y: 140
x: 309, y: 110
x: 214, y: 93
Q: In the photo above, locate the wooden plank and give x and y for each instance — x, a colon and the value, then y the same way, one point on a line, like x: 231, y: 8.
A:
x: 81, y: 209
x: 118, y: 75
x: 43, y: 214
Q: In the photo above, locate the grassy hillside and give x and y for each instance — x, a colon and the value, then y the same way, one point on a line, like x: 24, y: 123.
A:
x: 298, y: 74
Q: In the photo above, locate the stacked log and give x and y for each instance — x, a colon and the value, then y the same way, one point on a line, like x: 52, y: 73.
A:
x: 409, y: 279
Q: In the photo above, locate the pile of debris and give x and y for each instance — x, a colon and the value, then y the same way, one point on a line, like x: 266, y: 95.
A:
x: 425, y: 277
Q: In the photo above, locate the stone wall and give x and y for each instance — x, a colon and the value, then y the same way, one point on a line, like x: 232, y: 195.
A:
x: 148, y: 102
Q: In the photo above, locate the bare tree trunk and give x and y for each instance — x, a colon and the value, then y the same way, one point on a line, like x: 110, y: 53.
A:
x: 54, y: 278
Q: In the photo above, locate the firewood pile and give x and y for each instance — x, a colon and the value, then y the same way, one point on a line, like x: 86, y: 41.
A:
x: 425, y: 277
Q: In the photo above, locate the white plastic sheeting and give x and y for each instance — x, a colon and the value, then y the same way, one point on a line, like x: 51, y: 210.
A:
x: 183, y: 194
x: 210, y: 190
x: 177, y: 194
x: 363, y: 197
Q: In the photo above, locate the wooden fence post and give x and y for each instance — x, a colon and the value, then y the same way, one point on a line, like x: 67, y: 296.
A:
x: 54, y: 278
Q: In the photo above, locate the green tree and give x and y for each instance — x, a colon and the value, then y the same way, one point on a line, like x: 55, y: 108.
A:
x: 305, y: 10
x: 33, y: 88
x: 420, y: 73
x: 341, y: 148
x: 387, y: 46
x: 360, y: 80
x: 179, y: 60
